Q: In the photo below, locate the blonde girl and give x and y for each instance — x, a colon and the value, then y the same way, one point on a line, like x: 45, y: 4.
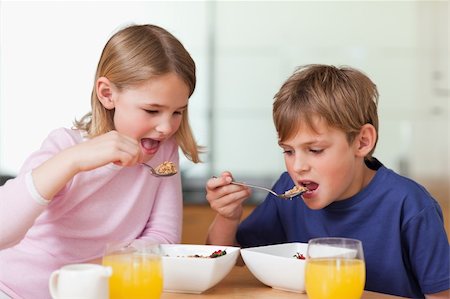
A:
x: 86, y: 186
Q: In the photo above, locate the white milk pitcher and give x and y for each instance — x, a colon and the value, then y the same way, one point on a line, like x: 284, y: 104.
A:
x: 87, y: 281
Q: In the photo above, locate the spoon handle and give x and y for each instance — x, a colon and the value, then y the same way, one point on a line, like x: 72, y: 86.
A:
x: 254, y: 186
x: 284, y: 196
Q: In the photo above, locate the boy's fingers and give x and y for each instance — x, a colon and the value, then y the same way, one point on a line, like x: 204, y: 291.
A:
x: 216, y: 182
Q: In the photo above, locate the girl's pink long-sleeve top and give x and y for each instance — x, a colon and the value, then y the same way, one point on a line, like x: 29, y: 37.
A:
x: 110, y: 203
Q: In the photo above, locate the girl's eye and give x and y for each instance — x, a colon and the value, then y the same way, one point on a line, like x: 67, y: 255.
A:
x: 178, y: 112
x: 151, y: 111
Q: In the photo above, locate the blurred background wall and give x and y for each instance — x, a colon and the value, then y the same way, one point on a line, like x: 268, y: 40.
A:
x: 244, y: 50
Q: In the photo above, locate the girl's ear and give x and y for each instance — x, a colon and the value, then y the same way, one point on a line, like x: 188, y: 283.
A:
x: 104, y: 89
x: 365, y: 140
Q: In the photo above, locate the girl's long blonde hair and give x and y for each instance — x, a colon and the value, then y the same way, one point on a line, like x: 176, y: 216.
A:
x: 132, y: 56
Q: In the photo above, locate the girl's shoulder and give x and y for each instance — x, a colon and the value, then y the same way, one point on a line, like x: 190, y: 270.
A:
x: 63, y: 137
x: 56, y: 141
x: 62, y: 132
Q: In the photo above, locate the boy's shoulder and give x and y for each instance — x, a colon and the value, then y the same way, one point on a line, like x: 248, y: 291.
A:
x: 400, y: 183
x: 402, y: 191
x: 285, y: 180
x: 386, y: 179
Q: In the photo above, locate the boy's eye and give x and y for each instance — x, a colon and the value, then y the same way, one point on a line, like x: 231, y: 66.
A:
x: 316, y: 150
x: 287, y: 152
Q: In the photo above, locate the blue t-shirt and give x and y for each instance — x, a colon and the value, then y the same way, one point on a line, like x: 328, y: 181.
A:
x: 401, y: 227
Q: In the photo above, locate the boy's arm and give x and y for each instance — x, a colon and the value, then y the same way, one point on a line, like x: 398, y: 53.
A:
x: 226, y: 200
x: 222, y: 231
x: 440, y: 295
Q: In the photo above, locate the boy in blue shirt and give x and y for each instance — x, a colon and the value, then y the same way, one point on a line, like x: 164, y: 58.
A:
x: 327, y: 124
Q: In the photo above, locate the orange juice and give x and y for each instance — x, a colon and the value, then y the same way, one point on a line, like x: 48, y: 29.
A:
x: 135, y: 275
x: 330, y: 278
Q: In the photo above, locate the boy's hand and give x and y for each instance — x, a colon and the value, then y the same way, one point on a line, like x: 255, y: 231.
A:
x: 224, y: 198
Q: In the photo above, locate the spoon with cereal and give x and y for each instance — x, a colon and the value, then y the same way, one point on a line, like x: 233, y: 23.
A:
x: 289, y: 194
x: 165, y: 169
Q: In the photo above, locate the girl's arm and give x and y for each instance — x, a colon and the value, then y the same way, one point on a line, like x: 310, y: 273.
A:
x: 52, y: 175
x: 24, y: 198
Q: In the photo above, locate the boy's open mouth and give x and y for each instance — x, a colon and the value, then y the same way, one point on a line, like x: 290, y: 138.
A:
x: 310, y: 185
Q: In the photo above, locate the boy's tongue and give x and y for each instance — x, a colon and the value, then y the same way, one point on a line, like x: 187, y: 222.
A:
x: 311, y: 186
x: 149, y: 144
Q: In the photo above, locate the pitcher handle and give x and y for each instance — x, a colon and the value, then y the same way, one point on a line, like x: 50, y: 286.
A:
x: 52, y: 284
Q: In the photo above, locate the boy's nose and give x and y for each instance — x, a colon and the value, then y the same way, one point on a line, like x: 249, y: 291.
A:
x: 300, y: 165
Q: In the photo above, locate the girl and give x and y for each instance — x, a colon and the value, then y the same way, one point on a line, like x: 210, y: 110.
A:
x: 87, y: 186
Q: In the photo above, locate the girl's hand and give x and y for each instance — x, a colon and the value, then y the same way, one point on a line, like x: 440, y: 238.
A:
x: 111, y: 147
x: 53, y: 174
x: 224, y: 198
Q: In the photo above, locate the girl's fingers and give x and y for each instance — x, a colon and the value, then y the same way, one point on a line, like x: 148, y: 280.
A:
x: 110, y: 147
x: 127, y: 149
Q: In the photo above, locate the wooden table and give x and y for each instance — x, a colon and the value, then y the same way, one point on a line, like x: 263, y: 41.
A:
x: 240, y: 283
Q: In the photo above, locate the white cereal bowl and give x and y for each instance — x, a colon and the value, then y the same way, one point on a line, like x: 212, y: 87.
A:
x: 276, y: 266
x: 186, y: 274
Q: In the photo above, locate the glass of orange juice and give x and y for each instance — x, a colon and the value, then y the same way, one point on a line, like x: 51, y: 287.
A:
x: 335, y: 269
x: 136, y: 270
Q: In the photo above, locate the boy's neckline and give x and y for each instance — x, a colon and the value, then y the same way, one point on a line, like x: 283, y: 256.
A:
x: 361, y: 195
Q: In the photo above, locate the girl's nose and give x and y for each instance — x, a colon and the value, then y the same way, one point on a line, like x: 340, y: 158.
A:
x: 164, y: 127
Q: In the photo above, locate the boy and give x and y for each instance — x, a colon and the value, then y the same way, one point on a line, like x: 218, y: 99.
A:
x: 327, y: 123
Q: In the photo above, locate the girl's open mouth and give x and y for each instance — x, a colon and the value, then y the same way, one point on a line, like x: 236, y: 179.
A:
x: 149, y: 146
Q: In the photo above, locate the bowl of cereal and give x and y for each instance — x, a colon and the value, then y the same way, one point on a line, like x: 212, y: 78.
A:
x: 280, y: 266
x: 191, y: 268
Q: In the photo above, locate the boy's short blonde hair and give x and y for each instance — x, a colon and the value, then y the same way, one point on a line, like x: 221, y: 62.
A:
x: 342, y: 96
x: 132, y: 56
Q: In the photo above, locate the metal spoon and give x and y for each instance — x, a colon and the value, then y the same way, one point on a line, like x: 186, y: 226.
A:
x: 286, y: 195
x: 159, y: 174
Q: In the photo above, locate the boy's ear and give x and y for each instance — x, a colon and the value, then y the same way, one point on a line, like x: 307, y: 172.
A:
x: 365, y: 140
x: 104, y: 92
